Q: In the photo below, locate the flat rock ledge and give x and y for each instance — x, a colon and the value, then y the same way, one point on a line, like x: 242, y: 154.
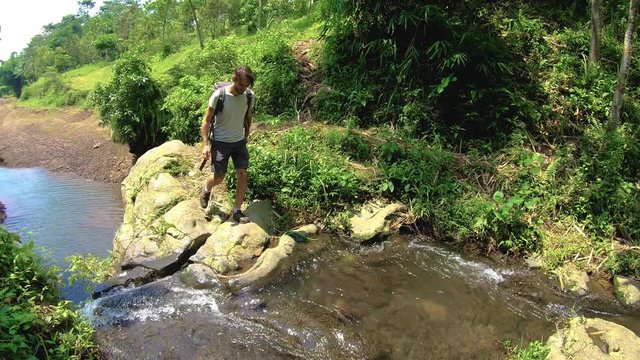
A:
x: 593, y: 339
x: 376, y: 220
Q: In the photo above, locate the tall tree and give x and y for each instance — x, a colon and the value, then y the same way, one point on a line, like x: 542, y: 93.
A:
x: 623, y: 71
x: 195, y: 19
x: 596, y: 32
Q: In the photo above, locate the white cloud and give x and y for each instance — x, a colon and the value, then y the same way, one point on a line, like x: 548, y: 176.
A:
x: 20, y: 20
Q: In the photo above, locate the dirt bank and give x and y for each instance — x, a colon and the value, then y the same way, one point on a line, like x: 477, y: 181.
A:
x: 65, y: 140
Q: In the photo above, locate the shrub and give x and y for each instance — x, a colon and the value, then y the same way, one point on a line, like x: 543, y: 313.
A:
x: 131, y: 105
x: 277, y: 85
x: 301, y: 174
x: 34, y: 322
x: 186, y: 106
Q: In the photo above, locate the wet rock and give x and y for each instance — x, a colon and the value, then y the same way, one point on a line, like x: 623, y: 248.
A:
x: 573, y: 279
x: 198, y: 276
x: 266, y: 263
x: 627, y: 291
x: 593, y: 339
x: 231, y: 244
x: 3, y: 213
x: 137, y: 276
x: 261, y: 213
x: 373, y: 221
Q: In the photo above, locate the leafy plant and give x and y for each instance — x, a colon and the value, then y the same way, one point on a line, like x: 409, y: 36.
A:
x: 131, y: 105
x: 34, y: 322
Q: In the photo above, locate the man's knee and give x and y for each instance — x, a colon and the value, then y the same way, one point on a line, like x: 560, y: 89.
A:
x: 241, y: 173
x: 218, y: 178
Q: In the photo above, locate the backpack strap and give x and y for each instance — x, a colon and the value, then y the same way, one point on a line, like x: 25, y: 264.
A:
x: 249, y: 99
x: 219, y: 106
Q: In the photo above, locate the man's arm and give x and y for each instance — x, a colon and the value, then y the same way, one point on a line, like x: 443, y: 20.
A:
x: 204, y: 131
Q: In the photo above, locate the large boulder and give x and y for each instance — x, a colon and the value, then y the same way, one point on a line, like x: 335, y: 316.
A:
x: 230, y: 245
x: 272, y: 257
x: 374, y: 220
x: 163, y: 224
x: 627, y: 291
x: 593, y: 339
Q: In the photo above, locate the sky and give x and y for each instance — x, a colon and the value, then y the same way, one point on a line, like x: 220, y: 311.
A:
x: 20, y: 20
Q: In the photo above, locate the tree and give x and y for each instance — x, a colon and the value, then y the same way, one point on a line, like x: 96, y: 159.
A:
x: 131, y: 105
x: 195, y: 19
x: 596, y: 32
x: 623, y: 71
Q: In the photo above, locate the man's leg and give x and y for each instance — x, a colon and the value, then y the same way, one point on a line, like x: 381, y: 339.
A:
x: 213, y: 180
x: 241, y: 189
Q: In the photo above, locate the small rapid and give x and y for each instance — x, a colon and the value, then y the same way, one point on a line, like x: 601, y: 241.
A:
x: 400, y: 299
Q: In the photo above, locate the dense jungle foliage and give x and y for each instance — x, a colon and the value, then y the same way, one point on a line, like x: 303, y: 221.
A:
x: 486, y: 117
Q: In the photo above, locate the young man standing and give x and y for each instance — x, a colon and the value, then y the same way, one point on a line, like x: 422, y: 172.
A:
x: 230, y: 133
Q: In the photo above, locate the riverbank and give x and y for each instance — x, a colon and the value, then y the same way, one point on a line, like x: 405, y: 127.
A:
x: 63, y: 140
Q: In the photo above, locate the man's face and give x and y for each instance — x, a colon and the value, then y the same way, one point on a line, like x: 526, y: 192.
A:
x: 241, y: 84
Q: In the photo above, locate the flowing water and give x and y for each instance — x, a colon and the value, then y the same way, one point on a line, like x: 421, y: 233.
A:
x: 407, y: 298
x: 63, y: 214
x: 403, y: 299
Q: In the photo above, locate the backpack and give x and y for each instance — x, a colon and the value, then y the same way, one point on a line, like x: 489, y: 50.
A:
x: 221, y: 85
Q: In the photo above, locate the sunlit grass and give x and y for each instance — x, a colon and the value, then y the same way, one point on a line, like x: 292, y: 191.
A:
x: 87, y: 76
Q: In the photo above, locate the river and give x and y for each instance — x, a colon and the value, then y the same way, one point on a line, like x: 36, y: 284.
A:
x: 62, y: 213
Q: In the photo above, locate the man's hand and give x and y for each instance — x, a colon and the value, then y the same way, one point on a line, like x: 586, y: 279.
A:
x: 206, y: 152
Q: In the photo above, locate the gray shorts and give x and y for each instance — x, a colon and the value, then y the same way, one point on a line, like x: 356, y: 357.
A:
x: 222, y: 151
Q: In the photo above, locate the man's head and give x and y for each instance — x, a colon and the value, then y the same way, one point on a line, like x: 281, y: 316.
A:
x: 242, y: 79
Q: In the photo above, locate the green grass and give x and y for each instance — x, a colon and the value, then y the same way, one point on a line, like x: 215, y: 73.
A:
x: 86, y: 77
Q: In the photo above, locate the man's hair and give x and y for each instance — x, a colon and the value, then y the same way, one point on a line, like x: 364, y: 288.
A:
x: 244, y: 72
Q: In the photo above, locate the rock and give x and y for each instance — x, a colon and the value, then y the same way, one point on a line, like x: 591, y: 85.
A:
x: 593, y: 339
x: 230, y: 244
x: 266, y: 263
x: 198, y: 276
x: 260, y: 212
x: 3, y: 213
x: 97, y: 145
x: 162, y: 227
x: 138, y: 275
x: 150, y: 164
x: 373, y: 221
x: 573, y: 279
x: 627, y: 291
x: 534, y: 262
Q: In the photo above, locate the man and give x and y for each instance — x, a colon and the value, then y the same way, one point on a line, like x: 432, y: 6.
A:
x: 230, y: 132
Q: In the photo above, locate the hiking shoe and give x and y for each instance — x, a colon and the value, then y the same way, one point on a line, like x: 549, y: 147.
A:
x: 204, y: 198
x: 239, y: 217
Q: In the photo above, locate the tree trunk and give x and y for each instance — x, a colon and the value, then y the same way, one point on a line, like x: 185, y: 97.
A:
x: 195, y: 18
x: 596, y: 32
x: 259, y: 14
x: 623, y: 72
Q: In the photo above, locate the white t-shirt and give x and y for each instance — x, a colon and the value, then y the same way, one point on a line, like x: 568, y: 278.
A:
x: 229, y: 123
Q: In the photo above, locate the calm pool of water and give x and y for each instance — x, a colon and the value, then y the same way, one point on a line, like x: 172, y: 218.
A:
x: 63, y: 214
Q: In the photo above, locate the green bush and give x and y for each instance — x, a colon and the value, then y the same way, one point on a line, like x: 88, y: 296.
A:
x: 49, y: 90
x: 186, y: 105
x: 131, y: 105
x: 34, y: 322
x: 278, y: 85
x: 301, y: 174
